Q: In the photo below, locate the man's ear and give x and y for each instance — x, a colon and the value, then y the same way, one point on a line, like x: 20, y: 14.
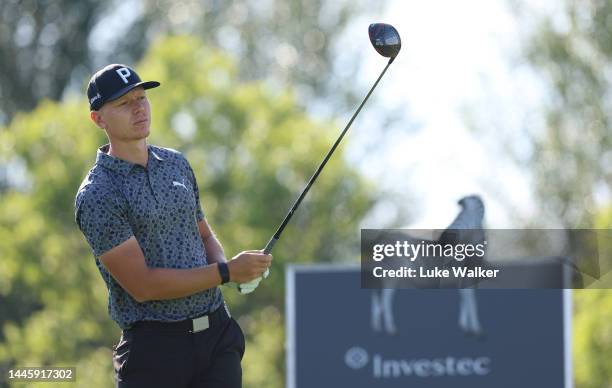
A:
x: 96, y: 117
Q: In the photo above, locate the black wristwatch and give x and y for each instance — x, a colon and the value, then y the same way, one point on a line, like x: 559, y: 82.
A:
x: 224, y: 272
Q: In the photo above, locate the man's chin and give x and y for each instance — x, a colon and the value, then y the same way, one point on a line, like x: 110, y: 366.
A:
x: 141, y: 133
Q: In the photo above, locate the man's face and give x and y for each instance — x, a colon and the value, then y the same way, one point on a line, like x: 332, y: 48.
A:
x: 126, y: 118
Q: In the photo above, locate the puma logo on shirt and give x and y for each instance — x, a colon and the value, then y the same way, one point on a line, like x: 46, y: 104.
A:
x: 175, y: 183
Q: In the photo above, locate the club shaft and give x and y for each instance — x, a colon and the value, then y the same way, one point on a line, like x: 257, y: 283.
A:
x: 280, y: 229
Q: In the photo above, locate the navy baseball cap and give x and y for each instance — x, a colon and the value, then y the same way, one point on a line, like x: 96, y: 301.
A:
x: 112, y: 82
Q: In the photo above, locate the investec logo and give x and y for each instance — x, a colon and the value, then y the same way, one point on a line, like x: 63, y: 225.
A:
x: 358, y: 358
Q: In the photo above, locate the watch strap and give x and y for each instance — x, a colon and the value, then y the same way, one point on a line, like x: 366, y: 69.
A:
x: 224, y: 272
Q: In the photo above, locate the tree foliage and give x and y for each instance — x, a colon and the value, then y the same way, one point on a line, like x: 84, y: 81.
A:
x: 47, y: 48
x: 572, y: 156
x: 252, y: 150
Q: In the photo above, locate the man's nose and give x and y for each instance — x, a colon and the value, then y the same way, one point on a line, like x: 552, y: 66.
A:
x: 138, y: 105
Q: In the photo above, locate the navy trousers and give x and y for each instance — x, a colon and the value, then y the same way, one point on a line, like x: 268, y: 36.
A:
x: 155, y: 354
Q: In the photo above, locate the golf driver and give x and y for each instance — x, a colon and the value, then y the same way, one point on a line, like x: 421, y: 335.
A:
x: 386, y: 41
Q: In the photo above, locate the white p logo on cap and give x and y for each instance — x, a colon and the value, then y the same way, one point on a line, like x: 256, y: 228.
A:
x: 124, y: 73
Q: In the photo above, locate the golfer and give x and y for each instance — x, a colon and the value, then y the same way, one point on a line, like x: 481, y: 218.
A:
x: 140, y: 212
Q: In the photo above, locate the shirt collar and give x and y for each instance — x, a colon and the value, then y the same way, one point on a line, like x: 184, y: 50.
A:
x: 119, y: 165
x: 155, y: 154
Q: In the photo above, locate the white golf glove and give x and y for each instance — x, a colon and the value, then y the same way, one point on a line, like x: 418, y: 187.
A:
x: 248, y: 287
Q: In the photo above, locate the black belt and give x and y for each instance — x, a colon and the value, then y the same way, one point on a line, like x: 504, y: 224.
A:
x: 214, y: 319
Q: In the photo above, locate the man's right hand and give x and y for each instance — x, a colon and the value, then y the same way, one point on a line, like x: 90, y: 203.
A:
x: 248, y: 265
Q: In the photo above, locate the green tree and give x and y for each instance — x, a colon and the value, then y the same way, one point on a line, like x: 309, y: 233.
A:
x: 48, y: 47
x: 571, y: 156
x: 593, y: 338
x: 252, y: 149
x: 593, y: 331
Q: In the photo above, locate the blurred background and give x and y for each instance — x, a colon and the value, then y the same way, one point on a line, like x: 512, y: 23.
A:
x: 507, y: 99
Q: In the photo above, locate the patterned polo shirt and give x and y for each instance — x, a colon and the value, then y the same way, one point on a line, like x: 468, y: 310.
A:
x: 160, y: 206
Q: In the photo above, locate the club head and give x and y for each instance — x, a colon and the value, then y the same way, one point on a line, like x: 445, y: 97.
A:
x: 385, y: 39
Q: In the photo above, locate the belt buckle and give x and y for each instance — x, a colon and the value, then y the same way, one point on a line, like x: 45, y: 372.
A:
x: 200, y: 324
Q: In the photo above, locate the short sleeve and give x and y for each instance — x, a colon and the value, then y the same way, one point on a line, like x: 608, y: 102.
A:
x: 103, y: 220
x: 196, y: 192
